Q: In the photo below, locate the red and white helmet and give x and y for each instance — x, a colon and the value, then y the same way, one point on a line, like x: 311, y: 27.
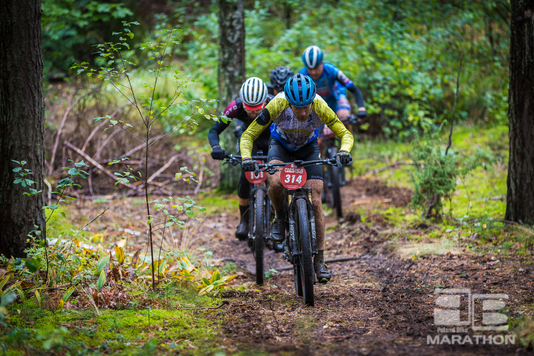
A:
x: 253, y: 93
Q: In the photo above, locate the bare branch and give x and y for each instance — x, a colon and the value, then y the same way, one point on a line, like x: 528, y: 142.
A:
x: 97, y: 165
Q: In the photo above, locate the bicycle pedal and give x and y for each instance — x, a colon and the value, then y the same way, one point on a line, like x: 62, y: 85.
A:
x: 286, y: 256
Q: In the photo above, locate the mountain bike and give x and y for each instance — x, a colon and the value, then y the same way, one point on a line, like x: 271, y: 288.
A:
x: 261, y: 213
x: 334, y: 177
x: 301, y: 242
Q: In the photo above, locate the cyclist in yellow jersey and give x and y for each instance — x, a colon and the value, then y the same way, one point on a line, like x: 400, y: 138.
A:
x: 296, y: 114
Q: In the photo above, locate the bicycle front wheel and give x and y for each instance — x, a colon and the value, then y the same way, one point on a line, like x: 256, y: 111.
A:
x: 259, y: 241
x: 305, y: 259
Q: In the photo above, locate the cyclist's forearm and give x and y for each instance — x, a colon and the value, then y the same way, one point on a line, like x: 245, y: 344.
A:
x: 249, y: 136
x: 358, y: 97
x: 215, y: 131
x: 347, y: 140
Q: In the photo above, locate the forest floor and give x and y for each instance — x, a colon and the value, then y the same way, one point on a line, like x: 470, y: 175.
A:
x: 380, y: 302
x: 382, y: 298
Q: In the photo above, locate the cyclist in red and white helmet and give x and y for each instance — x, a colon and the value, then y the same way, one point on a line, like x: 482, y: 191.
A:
x: 252, y: 99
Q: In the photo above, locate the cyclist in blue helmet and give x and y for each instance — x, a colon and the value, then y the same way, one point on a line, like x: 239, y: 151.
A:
x: 296, y: 114
x: 332, y: 83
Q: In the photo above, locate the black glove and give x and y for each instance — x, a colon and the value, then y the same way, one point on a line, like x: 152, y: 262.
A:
x: 218, y: 153
x: 249, y: 165
x: 361, y: 115
x: 344, y: 158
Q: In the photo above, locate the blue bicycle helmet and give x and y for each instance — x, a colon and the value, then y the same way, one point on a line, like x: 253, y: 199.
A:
x: 300, y: 90
x: 312, y: 56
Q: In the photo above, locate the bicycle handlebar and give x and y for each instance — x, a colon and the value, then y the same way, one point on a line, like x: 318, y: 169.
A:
x: 235, y: 159
x: 352, y: 119
x: 271, y: 167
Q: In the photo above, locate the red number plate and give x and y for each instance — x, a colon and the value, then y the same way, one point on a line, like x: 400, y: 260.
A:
x: 327, y: 132
x: 256, y: 178
x: 293, y: 177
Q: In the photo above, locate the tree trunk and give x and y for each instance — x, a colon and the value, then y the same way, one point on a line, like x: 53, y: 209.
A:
x: 231, y: 74
x: 21, y: 122
x: 520, y: 195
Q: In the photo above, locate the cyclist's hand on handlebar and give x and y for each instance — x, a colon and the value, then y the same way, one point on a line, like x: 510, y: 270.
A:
x: 249, y: 165
x: 361, y: 115
x: 218, y: 153
x: 344, y: 158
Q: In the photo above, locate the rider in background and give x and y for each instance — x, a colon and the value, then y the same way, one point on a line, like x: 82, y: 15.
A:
x: 252, y: 99
x: 279, y: 76
x: 297, y: 113
x: 332, y: 85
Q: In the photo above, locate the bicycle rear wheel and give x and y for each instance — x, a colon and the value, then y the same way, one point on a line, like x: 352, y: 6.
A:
x: 259, y: 240
x: 305, y: 260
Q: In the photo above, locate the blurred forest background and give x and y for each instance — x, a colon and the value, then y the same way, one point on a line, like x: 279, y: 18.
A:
x: 403, y: 55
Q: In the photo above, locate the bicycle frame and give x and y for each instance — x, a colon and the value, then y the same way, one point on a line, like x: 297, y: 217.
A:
x: 291, y: 198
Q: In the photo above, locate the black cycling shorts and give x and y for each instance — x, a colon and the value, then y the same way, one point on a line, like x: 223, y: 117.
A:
x: 308, y: 152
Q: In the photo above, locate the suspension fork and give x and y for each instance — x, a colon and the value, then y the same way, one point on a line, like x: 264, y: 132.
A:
x: 311, y: 219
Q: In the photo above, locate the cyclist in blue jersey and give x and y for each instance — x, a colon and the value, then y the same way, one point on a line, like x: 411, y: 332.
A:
x: 331, y: 83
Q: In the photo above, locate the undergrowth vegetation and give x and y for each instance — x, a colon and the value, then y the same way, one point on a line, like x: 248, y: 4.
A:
x: 472, y: 215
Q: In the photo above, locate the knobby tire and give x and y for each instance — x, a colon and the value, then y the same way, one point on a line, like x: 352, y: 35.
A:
x: 259, y: 241
x: 305, y: 259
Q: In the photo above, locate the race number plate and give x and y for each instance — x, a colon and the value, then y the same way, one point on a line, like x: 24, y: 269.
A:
x: 328, y: 133
x: 293, y: 177
x: 256, y: 178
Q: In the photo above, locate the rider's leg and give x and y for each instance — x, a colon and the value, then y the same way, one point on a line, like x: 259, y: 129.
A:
x: 277, y: 196
x: 320, y: 142
x: 321, y: 270
x: 317, y: 187
x: 277, y: 154
x: 243, y: 193
x: 276, y: 191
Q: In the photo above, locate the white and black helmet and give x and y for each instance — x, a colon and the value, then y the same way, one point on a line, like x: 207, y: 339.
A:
x: 253, y: 93
x: 312, y: 56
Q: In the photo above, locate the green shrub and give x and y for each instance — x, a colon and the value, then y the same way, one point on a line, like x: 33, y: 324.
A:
x: 436, y: 172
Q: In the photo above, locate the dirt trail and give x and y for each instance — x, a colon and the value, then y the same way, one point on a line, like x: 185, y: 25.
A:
x: 377, y: 304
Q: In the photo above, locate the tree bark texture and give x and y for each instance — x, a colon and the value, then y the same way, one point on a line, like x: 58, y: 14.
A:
x: 231, y: 75
x: 520, y: 195
x: 21, y: 122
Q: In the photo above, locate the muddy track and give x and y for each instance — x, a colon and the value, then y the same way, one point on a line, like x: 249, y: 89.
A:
x: 377, y: 304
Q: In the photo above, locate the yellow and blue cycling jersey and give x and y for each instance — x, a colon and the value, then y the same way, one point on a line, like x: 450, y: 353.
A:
x: 289, y: 131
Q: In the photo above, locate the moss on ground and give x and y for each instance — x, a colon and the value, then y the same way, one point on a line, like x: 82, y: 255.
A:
x: 124, y: 332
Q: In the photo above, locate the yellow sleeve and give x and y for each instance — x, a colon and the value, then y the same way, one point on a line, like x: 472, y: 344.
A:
x: 254, y: 130
x: 250, y: 135
x: 331, y: 120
